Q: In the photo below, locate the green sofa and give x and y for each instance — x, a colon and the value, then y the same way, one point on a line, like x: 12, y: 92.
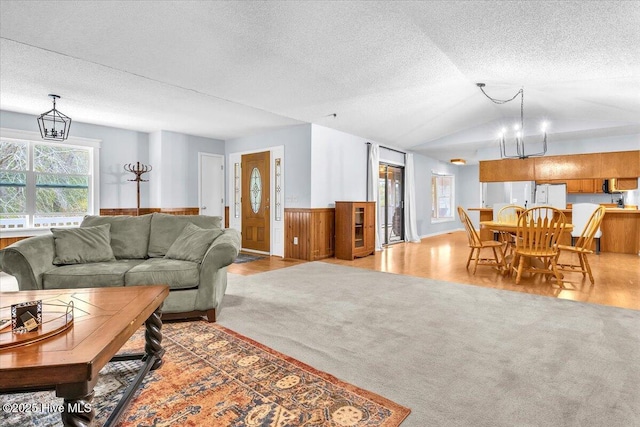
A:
x: 189, y: 253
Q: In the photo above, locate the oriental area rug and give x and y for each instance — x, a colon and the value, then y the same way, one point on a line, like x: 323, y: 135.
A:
x: 212, y: 376
x: 242, y: 258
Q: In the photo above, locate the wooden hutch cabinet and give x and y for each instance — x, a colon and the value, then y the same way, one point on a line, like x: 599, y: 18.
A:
x: 355, y: 232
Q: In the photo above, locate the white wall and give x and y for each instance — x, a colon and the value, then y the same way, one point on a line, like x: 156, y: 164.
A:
x: 155, y: 176
x: 469, y: 191
x: 170, y: 153
x: 174, y: 178
x: 339, y: 172
x: 338, y: 167
x: 424, y: 167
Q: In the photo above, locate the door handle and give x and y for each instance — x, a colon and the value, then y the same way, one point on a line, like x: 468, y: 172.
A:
x: 203, y: 208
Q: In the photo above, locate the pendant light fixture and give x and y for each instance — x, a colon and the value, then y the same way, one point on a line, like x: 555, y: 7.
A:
x: 53, y: 124
x: 518, y: 129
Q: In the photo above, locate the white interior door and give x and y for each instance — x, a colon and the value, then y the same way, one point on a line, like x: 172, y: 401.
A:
x: 211, y: 183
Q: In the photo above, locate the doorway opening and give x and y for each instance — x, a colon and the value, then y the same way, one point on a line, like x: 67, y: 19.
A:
x: 391, y: 203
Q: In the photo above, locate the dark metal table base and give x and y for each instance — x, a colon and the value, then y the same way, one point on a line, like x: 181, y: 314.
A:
x: 79, y: 412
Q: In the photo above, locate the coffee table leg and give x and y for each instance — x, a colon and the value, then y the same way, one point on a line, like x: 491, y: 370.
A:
x: 78, y: 412
x: 153, y: 338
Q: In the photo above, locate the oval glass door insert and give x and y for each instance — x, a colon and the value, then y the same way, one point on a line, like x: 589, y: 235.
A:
x: 256, y: 190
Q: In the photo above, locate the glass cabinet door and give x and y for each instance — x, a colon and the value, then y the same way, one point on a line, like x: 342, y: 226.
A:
x: 358, y: 225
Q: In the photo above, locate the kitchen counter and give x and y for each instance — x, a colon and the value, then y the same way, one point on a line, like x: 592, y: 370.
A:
x: 620, y: 229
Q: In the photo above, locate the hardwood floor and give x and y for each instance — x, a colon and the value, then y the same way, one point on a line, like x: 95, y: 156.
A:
x: 262, y: 265
x: 617, y: 276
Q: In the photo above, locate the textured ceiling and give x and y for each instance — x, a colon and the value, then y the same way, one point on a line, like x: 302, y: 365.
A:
x: 399, y: 73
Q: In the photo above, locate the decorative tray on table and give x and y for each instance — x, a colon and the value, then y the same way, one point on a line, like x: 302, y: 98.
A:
x: 29, y: 322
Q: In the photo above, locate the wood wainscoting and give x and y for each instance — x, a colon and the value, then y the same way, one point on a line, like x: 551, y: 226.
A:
x: 144, y: 211
x: 6, y: 241
x: 315, y: 230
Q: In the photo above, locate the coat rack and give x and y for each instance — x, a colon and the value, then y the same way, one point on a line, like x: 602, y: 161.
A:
x: 138, y: 170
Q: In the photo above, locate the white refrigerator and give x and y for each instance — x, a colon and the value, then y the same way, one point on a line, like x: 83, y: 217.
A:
x: 551, y: 195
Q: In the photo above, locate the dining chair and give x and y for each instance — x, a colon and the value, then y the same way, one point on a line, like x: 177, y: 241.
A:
x: 583, y: 245
x: 476, y: 245
x: 537, y: 232
x: 581, y: 213
x: 508, y: 214
x: 496, y: 210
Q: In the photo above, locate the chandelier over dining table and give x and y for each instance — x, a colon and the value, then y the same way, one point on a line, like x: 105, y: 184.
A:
x: 518, y: 129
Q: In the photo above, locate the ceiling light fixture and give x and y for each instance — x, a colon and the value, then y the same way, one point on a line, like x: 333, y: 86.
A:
x: 518, y: 129
x: 58, y: 123
x: 458, y: 161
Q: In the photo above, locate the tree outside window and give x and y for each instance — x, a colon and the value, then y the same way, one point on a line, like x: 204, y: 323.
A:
x: 44, y: 184
x: 442, y: 197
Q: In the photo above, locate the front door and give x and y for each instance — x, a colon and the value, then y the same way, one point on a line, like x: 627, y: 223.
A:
x: 255, y: 202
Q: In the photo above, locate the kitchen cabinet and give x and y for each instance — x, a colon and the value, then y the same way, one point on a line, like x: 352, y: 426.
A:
x: 597, y: 183
x: 620, y: 164
x: 355, y: 232
x: 507, y: 170
x: 578, y: 166
x: 626, y: 183
x: 595, y: 166
x: 581, y: 186
x: 577, y: 186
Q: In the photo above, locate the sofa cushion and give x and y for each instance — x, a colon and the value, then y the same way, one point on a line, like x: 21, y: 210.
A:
x: 192, y: 243
x: 161, y: 271
x: 166, y: 228
x: 82, y: 245
x: 93, y: 275
x: 129, y: 234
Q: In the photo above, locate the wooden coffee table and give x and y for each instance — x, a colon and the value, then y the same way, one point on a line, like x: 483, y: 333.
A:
x: 69, y: 362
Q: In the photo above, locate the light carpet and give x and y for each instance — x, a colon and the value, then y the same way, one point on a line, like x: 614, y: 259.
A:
x: 456, y: 355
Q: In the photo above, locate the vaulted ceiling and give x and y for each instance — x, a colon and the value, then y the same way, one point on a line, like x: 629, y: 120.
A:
x: 399, y: 73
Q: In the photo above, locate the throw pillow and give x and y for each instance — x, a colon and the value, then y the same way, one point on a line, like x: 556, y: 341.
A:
x: 192, y: 243
x: 82, y: 245
x: 129, y: 234
x: 166, y: 228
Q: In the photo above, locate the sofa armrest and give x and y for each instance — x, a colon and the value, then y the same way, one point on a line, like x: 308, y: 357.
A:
x: 223, y: 250
x: 213, y: 273
x: 28, y: 259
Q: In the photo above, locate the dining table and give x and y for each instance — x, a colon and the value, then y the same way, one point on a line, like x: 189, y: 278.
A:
x: 512, y: 227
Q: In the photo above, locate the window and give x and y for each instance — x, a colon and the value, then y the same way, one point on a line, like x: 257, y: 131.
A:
x: 45, y: 184
x: 442, y: 198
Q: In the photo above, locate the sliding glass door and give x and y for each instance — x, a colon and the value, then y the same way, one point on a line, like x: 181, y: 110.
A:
x: 391, y: 203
